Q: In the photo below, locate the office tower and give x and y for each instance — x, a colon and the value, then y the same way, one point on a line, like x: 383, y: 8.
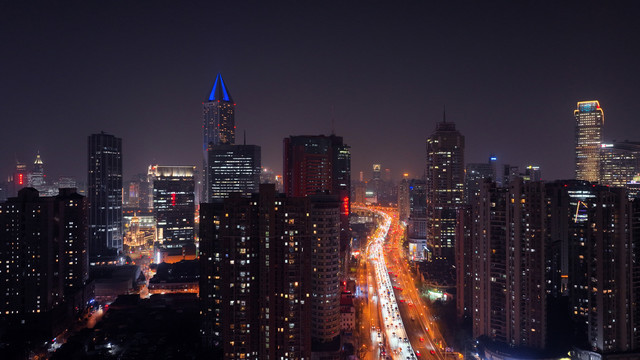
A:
x: 233, y: 168
x: 43, y: 244
x: 174, y: 203
x: 66, y: 182
x: 36, y: 176
x: 509, y: 173
x: 475, y: 175
x: 320, y: 164
x: 104, y: 192
x: 269, y: 266
x: 619, y: 163
x: 589, y: 122
x: 404, y: 206
x: 508, y: 263
x: 532, y: 173
x: 138, y: 192
x: 445, y: 188
x: 218, y: 124
x: 17, y: 180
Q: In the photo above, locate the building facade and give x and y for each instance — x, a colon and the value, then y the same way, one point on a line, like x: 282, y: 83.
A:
x: 508, y: 302
x: 233, y: 168
x: 174, y: 203
x: 269, y: 274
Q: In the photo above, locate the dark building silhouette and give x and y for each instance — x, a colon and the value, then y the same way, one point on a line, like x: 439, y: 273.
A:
x: 43, y: 249
x: 104, y: 191
x: 314, y: 164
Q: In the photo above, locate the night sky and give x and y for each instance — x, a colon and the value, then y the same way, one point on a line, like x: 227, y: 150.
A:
x: 509, y: 75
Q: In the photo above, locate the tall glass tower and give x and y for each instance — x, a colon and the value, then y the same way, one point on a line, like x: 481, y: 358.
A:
x: 105, y: 194
x: 218, y: 125
x: 445, y: 188
x: 589, y: 123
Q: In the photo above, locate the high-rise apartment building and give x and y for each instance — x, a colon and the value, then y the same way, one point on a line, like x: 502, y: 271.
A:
x: 218, y: 117
x: 445, y: 189
x: 508, y: 227
x: 320, y: 164
x: 595, y: 250
x: 104, y: 191
x: 588, y: 138
x: 233, y: 168
x: 43, y: 243
x: 174, y: 203
x: 269, y: 266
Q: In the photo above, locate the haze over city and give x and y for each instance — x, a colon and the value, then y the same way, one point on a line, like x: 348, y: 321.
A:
x: 509, y: 75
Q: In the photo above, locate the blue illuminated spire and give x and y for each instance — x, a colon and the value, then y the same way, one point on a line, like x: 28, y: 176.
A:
x: 219, y: 92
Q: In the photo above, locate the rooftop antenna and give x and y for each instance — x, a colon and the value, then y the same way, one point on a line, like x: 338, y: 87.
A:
x: 444, y: 113
x: 245, y: 137
x: 333, y: 120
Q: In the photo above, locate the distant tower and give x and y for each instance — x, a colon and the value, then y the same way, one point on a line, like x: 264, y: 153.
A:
x: 589, y: 122
x: 445, y: 187
x: 105, y: 194
x: 218, y: 124
x: 36, y: 176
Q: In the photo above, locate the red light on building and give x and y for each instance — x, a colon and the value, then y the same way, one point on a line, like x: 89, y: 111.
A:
x: 345, y: 205
x: 173, y: 199
x: 20, y: 179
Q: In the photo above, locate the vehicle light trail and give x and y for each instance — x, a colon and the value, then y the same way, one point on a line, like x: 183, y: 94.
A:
x: 393, y: 326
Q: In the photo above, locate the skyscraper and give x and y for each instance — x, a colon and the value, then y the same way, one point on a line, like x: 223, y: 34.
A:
x: 589, y: 122
x: 595, y: 251
x: 36, y: 176
x: 233, y: 168
x: 104, y: 191
x: 320, y: 164
x: 508, y: 263
x: 218, y: 124
x: 174, y: 203
x: 445, y: 188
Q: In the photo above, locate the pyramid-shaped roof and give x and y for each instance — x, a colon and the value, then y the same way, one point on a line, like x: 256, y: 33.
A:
x: 219, y: 91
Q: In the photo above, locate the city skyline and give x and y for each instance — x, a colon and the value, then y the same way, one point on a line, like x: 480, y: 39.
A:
x: 416, y: 56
